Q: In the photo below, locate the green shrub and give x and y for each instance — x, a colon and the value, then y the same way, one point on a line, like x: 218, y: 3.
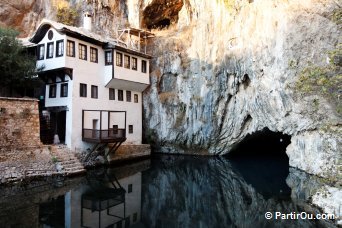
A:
x: 65, y: 13
x: 324, y: 80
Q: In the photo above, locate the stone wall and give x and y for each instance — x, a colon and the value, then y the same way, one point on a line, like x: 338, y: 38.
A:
x: 130, y: 152
x: 19, y: 123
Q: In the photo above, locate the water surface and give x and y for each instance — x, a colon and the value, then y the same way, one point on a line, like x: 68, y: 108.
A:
x: 165, y: 191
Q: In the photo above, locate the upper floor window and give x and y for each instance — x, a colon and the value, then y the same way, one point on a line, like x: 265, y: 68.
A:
x: 70, y: 48
x: 136, y: 99
x: 128, y: 96
x: 52, y: 91
x: 120, y: 95
x: 118, y: 59
x: 82, y: 51
x: 127, y: 61
x: 111, y: 94
x: 50, y: 35
x: 134, y: 63
x: 59, y: 48
x: 93, y: 55
x: 83, y: 90
x: 108, y: 58
x: 40, y: 51
x: 143, y: 66
x: 49, y: 50
x: 94, y: 92
x: 64, y: 90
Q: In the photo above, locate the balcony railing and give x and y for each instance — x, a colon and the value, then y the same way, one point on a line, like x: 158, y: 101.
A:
x: 109, y: 135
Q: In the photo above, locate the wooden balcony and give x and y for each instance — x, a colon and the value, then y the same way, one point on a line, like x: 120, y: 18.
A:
x: 104, y: 136
x: 104, y: 126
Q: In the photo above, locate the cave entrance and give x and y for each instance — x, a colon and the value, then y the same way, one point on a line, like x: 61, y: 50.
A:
x: 262, y: 143
x: 262, y: 161
x: 164, y: 23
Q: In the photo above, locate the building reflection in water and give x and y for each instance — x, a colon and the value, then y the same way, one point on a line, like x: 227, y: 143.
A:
x: 108, y: 198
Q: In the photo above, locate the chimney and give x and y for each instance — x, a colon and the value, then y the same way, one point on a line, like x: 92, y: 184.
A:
x: 87, y: 21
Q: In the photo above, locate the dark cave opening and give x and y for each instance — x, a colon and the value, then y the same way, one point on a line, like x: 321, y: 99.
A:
x: 262, y: 161
x: 261, y: 143
x: 164, y: 23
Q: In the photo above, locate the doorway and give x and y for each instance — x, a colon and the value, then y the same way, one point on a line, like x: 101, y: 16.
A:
x: 61, y: 122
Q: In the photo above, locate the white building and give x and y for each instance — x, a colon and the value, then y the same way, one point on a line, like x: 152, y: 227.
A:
x: 94, y: 85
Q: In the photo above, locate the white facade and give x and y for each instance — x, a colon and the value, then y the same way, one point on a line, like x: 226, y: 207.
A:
x: 72, y: 71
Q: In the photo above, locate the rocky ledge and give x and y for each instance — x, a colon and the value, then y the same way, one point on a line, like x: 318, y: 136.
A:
x: 32, y: 163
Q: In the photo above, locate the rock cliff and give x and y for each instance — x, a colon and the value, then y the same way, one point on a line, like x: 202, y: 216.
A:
x: 225, y: 69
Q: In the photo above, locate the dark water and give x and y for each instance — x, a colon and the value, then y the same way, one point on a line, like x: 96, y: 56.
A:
x: 166, y: 191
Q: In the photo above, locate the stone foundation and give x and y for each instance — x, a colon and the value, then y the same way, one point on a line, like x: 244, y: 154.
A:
x: 130, y: 152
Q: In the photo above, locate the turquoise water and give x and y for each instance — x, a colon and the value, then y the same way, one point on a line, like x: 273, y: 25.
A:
x: 164, y: 191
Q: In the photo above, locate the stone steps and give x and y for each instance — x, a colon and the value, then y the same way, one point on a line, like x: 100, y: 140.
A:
x: 67, y: 162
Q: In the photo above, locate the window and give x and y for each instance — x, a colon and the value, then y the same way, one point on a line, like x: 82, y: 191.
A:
x: 40, y: 51
x: 52, y: 91
x: 120, y: 95
x: 127, y: 61
x: 70, y: 48
x: 49, y: 51
x: 82, y: 51
x: 50, y: 35
x: 64, y: 90
x: 130, y: 129
x: 134, y: 63
x: 130, y: 186
x: 111, y: 94
x: 115, y: 129
x: 93, y: 55
x: 118, y: 59
x: 136, y: 99
x: 83, y: 90
x: 143, y: 66
x: 59, y: 48
x: 108, y: 58
x: 93, y: 91
x: 128, y: 96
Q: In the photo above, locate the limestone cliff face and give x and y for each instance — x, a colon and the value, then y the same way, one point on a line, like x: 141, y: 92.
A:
x: 225, y: 69
x: 23, y: 15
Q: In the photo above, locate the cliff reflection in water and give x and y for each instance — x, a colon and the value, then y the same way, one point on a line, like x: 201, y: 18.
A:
x: 181, y: 191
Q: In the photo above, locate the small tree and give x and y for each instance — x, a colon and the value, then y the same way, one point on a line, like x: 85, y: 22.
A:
x: 65, y: 13
x: 17, y: 67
